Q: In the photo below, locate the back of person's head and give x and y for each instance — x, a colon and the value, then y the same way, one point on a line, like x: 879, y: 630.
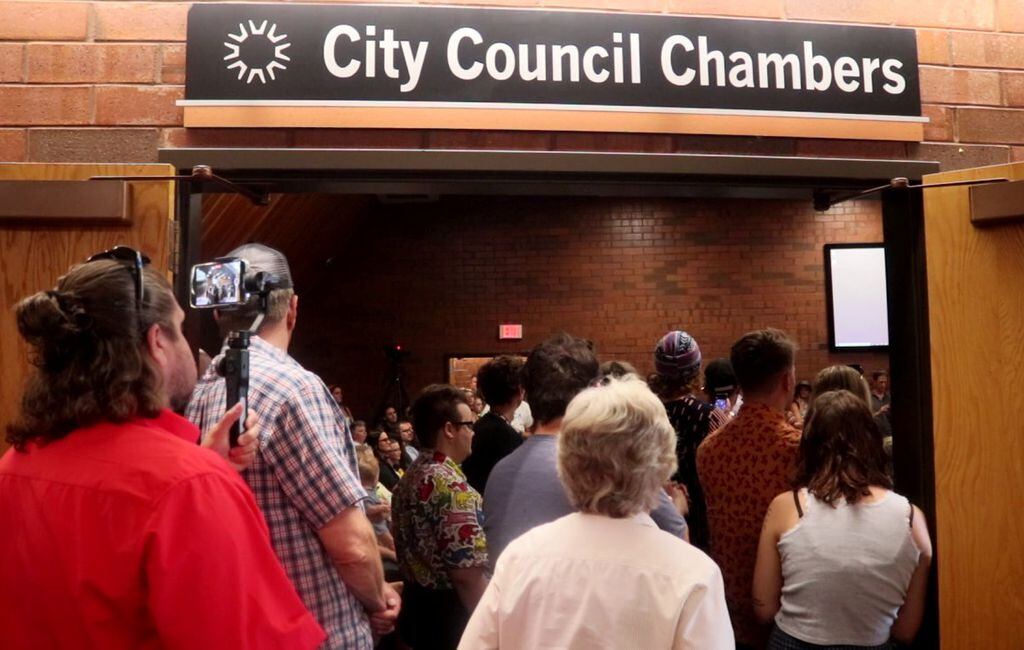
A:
x: 617, y: 369
x: 720, y: 378
x: 555, y: 372
x: 268, y: 260
x: 436, y: 405
x: 88, y: 346
x: 841, y: 451
x: 616, y: 449
x: 760, y: 357
x: 500, y: 379
x: 677, y: 360
x: 369, y: 466
x: 841, y: 378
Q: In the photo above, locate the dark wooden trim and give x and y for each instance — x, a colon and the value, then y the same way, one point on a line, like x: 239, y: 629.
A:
x: 82, y: 203
x: 997, y: 203
x: 277, y: 165
x: 910, y: 372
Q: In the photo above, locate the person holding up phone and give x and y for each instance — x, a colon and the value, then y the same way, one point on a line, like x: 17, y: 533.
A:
x: 305, y: 476
x: 119, y: 531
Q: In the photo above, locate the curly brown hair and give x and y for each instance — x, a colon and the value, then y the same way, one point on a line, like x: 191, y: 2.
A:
x: 841, y: 451
x: 88, y: 351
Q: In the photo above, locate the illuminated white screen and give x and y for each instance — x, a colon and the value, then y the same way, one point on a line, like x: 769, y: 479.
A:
x: 859, y: 312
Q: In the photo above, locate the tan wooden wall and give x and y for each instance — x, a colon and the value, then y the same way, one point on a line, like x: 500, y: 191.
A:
x: 976, y: 304
x: 33, y: 256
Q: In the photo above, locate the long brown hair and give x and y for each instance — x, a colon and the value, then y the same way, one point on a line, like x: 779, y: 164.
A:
x: 841, y: 378
x: 88, y: 351
x: 841, y: 453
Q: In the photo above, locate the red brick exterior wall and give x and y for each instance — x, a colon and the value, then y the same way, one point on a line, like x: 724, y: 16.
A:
x: 97, y: 81
x: 620, y: 272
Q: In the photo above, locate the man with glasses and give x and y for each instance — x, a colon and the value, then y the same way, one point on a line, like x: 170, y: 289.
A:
x: 436, y: 525
x: 305, y: 475
x: 119, y: 531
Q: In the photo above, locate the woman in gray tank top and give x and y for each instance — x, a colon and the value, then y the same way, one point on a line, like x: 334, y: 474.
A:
x: 842, y: 561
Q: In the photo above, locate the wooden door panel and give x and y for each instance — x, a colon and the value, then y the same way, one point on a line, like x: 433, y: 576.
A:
x: 33, y: 255
x: 976, y: 322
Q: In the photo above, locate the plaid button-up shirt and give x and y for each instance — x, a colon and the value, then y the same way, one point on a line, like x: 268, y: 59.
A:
x: 304, y: 474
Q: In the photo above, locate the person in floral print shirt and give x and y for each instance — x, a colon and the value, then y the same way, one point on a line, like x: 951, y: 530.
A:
x: 743, y: 465
x: 436, y: 522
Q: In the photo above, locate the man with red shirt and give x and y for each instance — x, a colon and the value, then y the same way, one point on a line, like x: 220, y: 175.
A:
x: 743, y: 465
x: 119, y: 531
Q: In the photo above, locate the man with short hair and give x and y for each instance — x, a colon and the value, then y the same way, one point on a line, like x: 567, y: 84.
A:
x: 523, y: 490
x: 881, y: 401
x: 118, y: 531
x: 359, y: 431
x: 441, y: 548
x: 745, y: 464
x: 501, y: 383
x: 305, y: 476
x: 408, y: 435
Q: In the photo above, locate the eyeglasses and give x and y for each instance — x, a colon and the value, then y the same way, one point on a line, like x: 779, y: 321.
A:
x: 137, y: 261
x: 467, y: 423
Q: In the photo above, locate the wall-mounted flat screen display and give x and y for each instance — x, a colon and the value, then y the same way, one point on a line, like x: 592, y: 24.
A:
x: 858, y: 316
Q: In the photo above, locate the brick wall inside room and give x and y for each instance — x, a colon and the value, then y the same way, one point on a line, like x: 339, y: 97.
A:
x: 439, y: 278
x: 97, y: 81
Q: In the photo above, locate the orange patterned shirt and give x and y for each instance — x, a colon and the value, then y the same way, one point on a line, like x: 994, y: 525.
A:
x: 742, y: 467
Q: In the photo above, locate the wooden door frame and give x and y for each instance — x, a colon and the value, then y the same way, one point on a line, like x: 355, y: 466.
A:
x: 612, y: 174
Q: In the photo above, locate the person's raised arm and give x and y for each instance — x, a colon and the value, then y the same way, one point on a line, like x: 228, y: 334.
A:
x: 909, y: 618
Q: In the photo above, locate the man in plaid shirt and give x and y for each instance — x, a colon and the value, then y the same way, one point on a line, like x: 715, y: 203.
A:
x: 305, y: 476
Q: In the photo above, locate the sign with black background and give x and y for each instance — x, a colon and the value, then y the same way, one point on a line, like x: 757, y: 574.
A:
x: 642, y: 62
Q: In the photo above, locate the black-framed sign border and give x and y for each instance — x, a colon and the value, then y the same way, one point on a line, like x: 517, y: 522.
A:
x: 830, y: 307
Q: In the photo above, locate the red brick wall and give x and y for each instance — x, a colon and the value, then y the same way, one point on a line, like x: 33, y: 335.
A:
x: 439, y: 278
x: 97, y: 81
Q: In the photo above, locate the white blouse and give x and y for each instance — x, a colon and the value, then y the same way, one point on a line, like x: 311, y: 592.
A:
x: 588, y: 581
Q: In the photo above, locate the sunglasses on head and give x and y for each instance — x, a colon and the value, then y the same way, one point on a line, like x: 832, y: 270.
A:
x: 135, y: 263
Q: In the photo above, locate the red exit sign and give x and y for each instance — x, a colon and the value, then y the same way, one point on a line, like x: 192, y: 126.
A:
x: 512, y: 331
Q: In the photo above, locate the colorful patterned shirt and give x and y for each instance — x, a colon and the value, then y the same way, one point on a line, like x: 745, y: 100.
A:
x: 436, y: 518
x: 304, y: 475
x: 742, y: 467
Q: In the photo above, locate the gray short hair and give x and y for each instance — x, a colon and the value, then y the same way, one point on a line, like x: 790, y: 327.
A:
x: 278, y: 302
x: 616, y: 449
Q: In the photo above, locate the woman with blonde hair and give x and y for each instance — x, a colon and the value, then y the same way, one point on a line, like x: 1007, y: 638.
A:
x: 843, y: 560
x: 606, y: 576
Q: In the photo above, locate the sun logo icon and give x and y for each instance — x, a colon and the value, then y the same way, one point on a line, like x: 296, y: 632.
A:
x: 259, y: 47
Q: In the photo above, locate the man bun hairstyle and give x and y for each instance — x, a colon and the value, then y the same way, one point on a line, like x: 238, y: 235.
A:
x: 759, y: 356
x: 555, y: 372
x: 87, y: 349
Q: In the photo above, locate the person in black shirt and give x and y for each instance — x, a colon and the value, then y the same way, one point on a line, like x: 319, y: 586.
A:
x: 677, y: 361
x: 494, y: 438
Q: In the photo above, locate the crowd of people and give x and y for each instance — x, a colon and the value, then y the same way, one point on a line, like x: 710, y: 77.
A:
x: 559, y: 502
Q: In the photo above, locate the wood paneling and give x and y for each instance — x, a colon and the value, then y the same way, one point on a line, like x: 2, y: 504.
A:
x: 375, y: 117
x: 33, y: 256
x: 976, y: 305
x: 308, y: 228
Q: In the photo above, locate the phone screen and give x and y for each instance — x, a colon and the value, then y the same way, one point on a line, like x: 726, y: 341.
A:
x: 722, y: 403
x: 217, y: 284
